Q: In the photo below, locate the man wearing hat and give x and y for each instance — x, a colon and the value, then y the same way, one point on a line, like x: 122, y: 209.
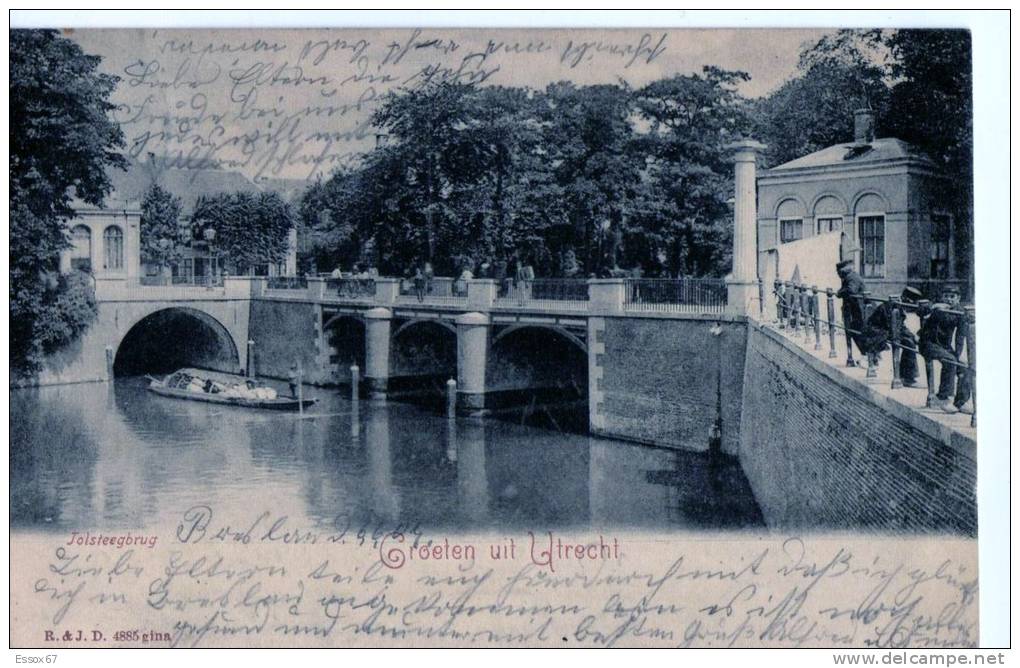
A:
x: 942, y: 338
x: 877, y: 335
x: 851, y: 294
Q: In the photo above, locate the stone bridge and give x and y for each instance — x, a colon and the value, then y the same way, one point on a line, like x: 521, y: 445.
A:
x: 543, y: 343
x: 153, y: 328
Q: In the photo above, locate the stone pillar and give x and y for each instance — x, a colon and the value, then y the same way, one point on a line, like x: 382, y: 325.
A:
x: 472, y: 350
x: 386, y: 290
x: 377, y: 350
x: 316, y: 288
x: 743, y: 297
x: 481, y: 293
x: 606, y: 295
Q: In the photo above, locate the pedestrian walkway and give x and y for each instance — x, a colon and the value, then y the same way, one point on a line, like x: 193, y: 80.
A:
x: 912, y: 397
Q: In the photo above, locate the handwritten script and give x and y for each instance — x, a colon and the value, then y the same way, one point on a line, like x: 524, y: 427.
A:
x: 299, y: 103
x: 266, y: 580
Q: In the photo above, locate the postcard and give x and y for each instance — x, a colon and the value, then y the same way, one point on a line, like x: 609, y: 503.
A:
x: 508, y: 337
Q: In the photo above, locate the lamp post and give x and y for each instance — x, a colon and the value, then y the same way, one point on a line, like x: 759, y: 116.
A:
x: 209, y: 234
x: 715, y: 435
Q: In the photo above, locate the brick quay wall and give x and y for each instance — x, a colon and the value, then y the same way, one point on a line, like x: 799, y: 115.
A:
x: 823, y: 450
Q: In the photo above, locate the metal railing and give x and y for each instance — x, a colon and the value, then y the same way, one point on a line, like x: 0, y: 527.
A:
x: 435, y: 290
x: 351, y: 288
x: 183, y: 280
x: 675, y: 295
x: 286, y: 283
x: 798, y: 310
x: 553, y: 292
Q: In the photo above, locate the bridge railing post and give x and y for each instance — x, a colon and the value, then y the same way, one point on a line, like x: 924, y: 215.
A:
x: 387, y: 290
x: 815, y: 318
x: 805, y: 310
x: 606, y: 295
x: 830, y: 312
x: 316, y: 288
x: 481, y: 294
x: 795, y: 307
x: 780, y: 296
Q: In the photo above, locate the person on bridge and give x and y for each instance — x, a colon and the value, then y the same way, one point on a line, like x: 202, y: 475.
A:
x: 943, y: 335
x: 877, y: 334
x: 419, y: 284
x: 851, y: 294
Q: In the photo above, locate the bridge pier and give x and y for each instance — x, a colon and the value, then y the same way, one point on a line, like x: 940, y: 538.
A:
x: 377, y: 350
x: 472, y: 350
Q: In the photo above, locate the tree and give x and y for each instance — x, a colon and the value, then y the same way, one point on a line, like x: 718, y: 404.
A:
x: 932, y: 96
x: 160, y: 227
x: 589, y: 138
x: 425, y: 128
x: 839, y: 74
x: 251, y: 229
x: 61, y: 144
x: 682, y: 211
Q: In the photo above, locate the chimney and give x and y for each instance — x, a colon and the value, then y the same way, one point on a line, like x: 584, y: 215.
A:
x: 864, y: 126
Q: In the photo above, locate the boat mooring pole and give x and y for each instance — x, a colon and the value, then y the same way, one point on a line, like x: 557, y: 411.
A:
x: 300, y: 389
x: 451, y: 398
x: 354, y: 382
x: 249, y: 363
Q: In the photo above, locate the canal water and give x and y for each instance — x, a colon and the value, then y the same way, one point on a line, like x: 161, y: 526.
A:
x: 114, y: 456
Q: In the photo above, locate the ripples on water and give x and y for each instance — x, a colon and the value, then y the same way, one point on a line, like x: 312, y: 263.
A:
x: 113, y: 455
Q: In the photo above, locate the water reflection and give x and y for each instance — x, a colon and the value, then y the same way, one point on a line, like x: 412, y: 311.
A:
x: 112, y: 456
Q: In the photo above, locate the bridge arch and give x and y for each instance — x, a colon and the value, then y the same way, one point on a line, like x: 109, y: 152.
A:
x: 423, y: 355
x: 561, y: 331
x: 169, y: 337
x: 528, y: 361
x: 344, y: 335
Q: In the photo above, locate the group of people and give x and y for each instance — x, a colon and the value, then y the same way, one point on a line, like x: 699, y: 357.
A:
x: 941, y: 337
x: 360, y: 272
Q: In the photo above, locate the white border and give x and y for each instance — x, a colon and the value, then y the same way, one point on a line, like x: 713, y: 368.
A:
x: 991, y: 40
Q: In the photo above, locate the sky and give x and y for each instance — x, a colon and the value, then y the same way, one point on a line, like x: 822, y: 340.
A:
x: 295, y: 103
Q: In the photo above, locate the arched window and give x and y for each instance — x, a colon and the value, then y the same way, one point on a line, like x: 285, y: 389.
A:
x: 790, y: 215
x: 828, y: 215
x: 81, y: 248
x: 113, y: 248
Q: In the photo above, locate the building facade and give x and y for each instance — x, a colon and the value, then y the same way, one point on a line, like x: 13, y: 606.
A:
x: 106, y: 241
x: 884, y: 195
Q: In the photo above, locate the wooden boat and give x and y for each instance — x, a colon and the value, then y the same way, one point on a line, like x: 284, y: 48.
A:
x: 176, y: 385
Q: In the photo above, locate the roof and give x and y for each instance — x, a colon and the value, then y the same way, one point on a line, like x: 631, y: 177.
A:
x: 129, y: 186
x: 850, y: 153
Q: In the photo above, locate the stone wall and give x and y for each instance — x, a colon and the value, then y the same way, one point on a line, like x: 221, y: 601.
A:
x: 285, y: 332
x: 654, y: 379
x: 87, y: 359
x: 822, y: 449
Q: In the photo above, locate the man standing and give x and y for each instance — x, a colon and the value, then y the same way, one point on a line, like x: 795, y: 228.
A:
x: 878, y: 332
x: 942, y: 338
x: 851, y: 294
x: 293, y: 378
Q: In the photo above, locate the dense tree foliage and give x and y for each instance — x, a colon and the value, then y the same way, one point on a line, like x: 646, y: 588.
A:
x: 574, y: 180
x: 250, y: 228
x: 61, y: 143
x: 161, y: 232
